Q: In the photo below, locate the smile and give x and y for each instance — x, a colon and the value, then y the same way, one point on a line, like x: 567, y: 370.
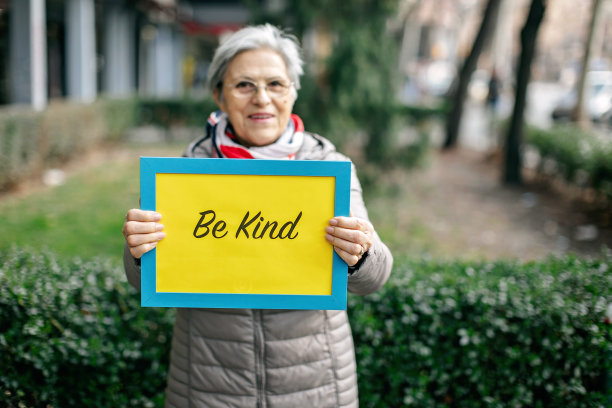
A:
x: 261, y: 116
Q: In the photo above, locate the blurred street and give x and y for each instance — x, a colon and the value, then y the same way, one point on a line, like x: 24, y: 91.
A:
x: 527, y: 222
x: 477, y: 132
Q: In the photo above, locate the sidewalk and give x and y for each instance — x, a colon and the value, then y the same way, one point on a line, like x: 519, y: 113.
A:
x: 459, y: 202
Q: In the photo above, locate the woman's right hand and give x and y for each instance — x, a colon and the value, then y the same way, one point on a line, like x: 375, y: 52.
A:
x: 142, y: 231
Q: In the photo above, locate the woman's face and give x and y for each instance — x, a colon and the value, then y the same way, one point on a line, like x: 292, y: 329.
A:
x: 260, y: 118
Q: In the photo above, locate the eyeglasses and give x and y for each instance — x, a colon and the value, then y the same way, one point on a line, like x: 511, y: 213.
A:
x: 246, y: 89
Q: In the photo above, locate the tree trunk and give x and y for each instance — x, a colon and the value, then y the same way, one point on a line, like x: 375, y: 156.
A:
x: 513, y: 163
x: 579, y: 114
x: 458, y: 92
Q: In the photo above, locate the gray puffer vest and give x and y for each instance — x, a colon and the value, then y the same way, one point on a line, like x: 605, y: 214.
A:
x: 270, y: 358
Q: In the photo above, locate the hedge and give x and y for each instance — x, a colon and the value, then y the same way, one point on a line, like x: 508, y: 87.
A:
x: 574, y: 152
x: 487, y: 335
x: 31, y: 142
x: 437, y: 335
x: 423, y: 112
x: 72, y: 334
x: 20, y: 138
x: 167, y: 113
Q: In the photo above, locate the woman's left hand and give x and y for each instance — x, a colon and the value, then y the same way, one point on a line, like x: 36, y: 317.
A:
x: 350, y: 236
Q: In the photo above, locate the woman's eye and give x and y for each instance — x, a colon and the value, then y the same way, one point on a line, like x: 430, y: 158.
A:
x: 245, y: 86
x: 276, y: 85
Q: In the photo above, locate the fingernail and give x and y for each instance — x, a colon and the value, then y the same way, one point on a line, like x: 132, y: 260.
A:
x: 161, y: 235
x: 156, y: 216
x: 329, y: 237
x: 333, y: 221
x: 159, y: 227
x: 329, y: 229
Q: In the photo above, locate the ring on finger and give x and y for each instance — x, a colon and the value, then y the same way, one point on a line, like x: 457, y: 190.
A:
x: 361, y: 250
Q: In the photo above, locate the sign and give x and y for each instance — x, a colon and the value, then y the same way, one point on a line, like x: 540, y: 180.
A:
x: 244, y: 233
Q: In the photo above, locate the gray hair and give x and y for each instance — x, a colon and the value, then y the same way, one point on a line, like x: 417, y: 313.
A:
x: 254, y: 37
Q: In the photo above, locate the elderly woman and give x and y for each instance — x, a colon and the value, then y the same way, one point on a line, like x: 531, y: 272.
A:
x: 264, y: 358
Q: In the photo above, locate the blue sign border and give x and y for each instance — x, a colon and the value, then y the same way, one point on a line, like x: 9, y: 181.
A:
x: 151, y: 166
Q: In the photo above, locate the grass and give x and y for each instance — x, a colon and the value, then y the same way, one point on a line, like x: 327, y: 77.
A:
x: 385, y: 201
x: 83, y: 217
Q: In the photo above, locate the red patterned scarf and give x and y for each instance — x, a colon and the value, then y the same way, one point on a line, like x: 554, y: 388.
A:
x: 226, y: 145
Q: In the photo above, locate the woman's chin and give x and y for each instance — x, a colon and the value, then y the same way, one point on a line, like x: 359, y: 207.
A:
x: 259, y: 140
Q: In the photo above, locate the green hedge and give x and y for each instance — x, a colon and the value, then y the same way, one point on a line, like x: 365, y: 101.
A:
x: 422, y: 112
x: 31, y: 142
x: 72, y: 334
x: 20, y: 138
x: 70, y: 130
x: 120, y: 115
x: 167, y: 113
x: 437, y: 335
x: 574, y: 150
x: 486, y: 335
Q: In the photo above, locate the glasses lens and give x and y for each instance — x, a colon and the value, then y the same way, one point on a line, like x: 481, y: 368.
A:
x: 244, y: 88
x: 275, y: 88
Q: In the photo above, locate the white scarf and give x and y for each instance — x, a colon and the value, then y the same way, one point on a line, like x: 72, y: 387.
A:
x: 226, y: 145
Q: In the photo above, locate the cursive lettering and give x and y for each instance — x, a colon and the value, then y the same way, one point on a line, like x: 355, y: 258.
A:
x: 255, y: 227
x: 217, y: 228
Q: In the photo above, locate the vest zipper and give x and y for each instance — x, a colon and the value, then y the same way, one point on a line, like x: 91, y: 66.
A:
x: 189, y: 366
x: 260, y: 370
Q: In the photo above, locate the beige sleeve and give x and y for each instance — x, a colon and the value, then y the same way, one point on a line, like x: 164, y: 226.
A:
x: 376, y: 268
x: 132, y: 268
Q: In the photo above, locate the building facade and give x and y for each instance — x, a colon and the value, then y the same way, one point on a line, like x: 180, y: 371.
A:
x: 80, y: 50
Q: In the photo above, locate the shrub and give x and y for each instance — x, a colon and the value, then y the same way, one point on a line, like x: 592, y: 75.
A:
x: 574, y: 150
x: 120, y: 116
x: 31, y: 142
x: 68, y: 130
x: 420, y: 113
x: 73, y: 334
x: 486, y: 335
x: 19, y: 141
x: 501, y: 334
x: 167, y: 113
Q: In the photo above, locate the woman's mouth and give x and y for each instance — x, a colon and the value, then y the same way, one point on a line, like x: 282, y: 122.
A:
x: 260, y: 116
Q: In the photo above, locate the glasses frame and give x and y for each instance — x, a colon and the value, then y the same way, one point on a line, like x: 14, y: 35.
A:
x: 233, y: 89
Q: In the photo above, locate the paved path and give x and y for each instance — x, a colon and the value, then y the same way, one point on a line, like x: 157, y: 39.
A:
x: 459, y: 202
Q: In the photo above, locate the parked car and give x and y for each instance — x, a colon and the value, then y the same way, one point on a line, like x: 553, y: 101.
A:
x: 597, y: 101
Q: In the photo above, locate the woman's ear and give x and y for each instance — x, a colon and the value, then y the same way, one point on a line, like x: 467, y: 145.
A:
x: 219, y: 99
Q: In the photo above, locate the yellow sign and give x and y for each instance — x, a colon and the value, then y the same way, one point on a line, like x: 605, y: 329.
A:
x: 244, y: 233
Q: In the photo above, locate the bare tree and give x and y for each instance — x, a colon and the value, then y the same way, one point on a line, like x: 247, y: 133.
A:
x: 579, y: 114
x: 460, y: 87
x: 529, y: 33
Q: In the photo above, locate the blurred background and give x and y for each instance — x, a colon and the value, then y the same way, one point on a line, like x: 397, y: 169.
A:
x: 482, y: 135
x: 81, y: 50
